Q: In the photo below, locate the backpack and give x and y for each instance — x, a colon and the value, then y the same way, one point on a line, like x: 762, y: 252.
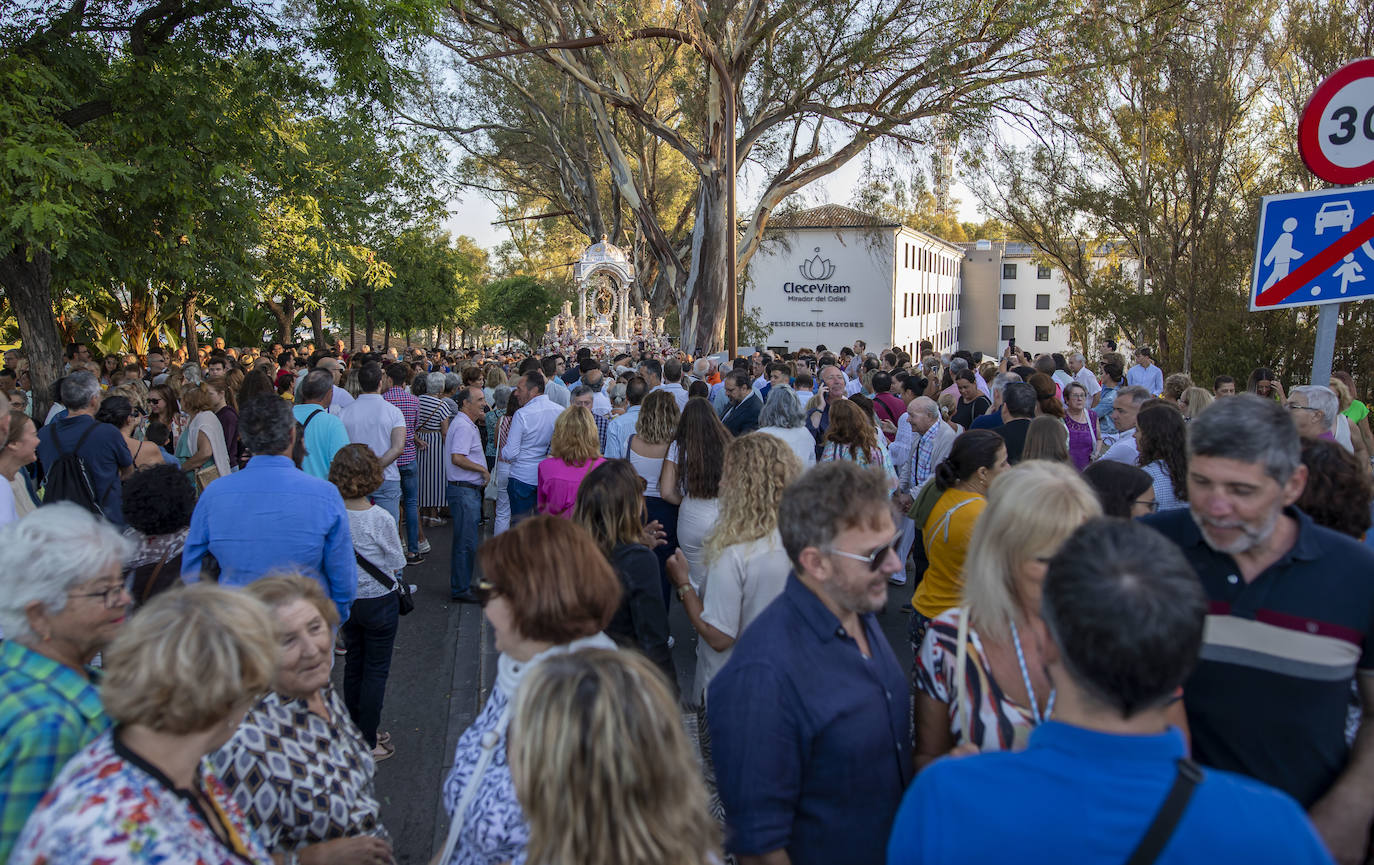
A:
x: 68, y: 478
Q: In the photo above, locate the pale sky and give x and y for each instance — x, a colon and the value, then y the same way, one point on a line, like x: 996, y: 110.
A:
x: 473, y: 214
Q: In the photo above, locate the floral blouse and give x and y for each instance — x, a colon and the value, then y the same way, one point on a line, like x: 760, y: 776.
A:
x: 109, y: 806
x: 299, y: 778
x: 877, y: 458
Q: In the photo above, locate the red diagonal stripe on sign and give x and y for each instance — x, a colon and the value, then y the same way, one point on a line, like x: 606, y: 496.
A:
x: 1317, y: 265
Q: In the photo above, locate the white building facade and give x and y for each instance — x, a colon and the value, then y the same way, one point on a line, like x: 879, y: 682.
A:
x: 1011, y: 296
x: 832, y: 275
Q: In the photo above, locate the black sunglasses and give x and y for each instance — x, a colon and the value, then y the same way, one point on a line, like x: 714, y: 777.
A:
x: 875, y: 558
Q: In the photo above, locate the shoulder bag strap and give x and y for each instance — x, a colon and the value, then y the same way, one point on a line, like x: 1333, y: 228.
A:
x: 152, y: 578
x: 490, y: 740
x: 377, y: 573
x: 1166, y: 820
x: 312, y: 416
x: 957, y: 679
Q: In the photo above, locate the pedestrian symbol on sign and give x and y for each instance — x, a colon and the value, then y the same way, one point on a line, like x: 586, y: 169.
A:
x: 1282, y: 254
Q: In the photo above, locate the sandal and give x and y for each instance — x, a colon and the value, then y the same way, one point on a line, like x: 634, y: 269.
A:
x: 383, y: 738
x: 383, y: 751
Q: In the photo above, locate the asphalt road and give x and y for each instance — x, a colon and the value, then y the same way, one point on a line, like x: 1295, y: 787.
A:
x: 442, y: 669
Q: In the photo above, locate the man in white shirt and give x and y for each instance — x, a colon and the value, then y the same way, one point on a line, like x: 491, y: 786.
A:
x: 593, y: 378
x: 672, y: 382
x: 372, y: 421
x: 1126, y: 449
x: 619, y: 430
x: 554, y: 366
x: 528, y: 442
x: 465, y: 469
x: 1146, y: 373
x: 1078, y: 369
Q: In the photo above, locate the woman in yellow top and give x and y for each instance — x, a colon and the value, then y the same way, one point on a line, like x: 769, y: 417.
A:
x: 961, y: 483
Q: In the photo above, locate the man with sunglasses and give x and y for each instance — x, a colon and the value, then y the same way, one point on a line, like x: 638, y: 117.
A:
x: 808, y: 718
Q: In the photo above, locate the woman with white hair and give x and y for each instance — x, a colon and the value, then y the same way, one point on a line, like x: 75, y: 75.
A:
x: 431, y: 426
x: 62, y: 599
x: 782, y: 417
x: 180, y: 679
x: 1314, y: 409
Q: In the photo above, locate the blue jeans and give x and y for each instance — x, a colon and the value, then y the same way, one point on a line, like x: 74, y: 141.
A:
x: 369, y: 635
x: 410, y: 497
x: 465, y: 505
x: 522, y: 499
x: 388, y: 498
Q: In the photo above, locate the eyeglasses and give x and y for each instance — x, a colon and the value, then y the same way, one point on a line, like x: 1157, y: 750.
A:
x: 1152, y: 505
x: 1291, y: 407
x: 875, y: 558
x: 485, y: 591
x: 114, y: 596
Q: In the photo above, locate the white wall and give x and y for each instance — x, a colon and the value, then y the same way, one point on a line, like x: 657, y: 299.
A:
x: 824, y: 286
x: 927, y: 300
x: 1029, y: 290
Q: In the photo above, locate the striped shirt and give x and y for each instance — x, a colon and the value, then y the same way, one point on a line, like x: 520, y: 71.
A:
x: 1271, y: 689
x: 48, y: 712
x: 410, y: 408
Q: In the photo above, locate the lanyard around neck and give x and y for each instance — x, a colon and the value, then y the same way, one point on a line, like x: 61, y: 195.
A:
x: 1030, y: 689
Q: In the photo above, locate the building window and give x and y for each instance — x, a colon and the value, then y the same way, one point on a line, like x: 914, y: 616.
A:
x: 1009, y: 301
x: 1042, y: 333
x: 1042, y: 271
x: 1008, y: 271
x: 1009, y: 332
x: 1042, y: 301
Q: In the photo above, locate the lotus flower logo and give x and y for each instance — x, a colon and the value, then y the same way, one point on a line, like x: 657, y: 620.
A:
x: 817, y: 269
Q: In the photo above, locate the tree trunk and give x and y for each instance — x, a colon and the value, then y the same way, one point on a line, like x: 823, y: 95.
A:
x: 285, y: 314
x: 352, y: 329
x: 317, y: 324
x: 701, y: 306
x: 386, y: 341
x: 369, y: 320
x: 26, y: 275
x: 188, y: 321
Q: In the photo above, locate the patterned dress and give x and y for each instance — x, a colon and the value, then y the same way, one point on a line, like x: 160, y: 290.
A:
x: 109, y: 806
x: 299, y: 778
x: 998, y: 723
x: 429, y: 429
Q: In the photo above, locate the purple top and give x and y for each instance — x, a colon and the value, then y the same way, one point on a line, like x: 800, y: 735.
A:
x: 1082, y: 437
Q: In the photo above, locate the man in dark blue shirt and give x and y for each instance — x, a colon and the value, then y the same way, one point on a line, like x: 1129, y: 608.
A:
x: 809, y: 717
x: 103, y: 451
x: 1125, y: 618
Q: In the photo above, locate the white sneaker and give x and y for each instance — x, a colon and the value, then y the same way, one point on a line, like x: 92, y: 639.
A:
x: 424, y: 546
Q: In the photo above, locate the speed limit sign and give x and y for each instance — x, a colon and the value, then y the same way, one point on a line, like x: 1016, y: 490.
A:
x: 1336, y: 133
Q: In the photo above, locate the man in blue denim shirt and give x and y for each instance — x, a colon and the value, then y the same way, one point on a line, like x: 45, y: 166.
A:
x: 808, y: 718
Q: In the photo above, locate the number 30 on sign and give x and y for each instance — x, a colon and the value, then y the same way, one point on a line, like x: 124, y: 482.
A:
x: 1336, y: 133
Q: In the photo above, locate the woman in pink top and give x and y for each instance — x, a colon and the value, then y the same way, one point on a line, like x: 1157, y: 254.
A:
x: 574, y: 451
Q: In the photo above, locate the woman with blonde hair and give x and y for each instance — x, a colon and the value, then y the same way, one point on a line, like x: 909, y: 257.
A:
x: 1194, y: 401
x: 177, y: 682
x: 603, y: 767
x: 574, y: 450
x: 1347, y: 432
x: 746, y: 565
x: 980, y: 672
x: 203, y: 441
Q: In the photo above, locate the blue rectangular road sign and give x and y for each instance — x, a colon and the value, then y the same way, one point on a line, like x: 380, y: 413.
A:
x: 1313, y: 248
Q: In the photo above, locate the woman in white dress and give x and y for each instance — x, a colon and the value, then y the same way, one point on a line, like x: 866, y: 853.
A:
x: 203, y: 441
x: 691, y: 480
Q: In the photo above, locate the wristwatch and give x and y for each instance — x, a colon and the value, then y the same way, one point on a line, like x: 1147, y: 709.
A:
x: 682, y: 590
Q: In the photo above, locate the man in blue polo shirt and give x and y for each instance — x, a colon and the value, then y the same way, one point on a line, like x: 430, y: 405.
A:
x: 1124, y: 615
x: 809, y: 717
x: 1290, y: 623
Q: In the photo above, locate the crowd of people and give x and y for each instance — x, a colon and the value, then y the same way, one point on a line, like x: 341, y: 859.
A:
x: 1140, y: 611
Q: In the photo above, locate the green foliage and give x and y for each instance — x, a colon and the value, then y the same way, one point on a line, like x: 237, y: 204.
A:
x: 521, y: 306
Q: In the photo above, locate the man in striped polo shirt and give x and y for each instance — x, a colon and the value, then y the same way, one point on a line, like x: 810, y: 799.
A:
x: 1290, y: 622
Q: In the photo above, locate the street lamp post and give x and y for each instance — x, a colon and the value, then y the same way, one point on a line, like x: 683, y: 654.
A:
x: 727, y: 85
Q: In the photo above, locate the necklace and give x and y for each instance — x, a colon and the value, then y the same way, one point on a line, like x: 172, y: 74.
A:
x: 1030, y: 689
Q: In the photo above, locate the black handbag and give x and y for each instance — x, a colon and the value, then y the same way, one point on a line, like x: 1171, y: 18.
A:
x: 405, y: 600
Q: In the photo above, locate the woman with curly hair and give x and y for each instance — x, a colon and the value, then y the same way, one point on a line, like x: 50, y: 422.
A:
x: 1162, y: 437
x: 1338, y: 491
x: 610, y: 507
x: 745, y: 562
x: 691, y: 480
x: 158, y: 502
x: 852, y: 436
x: 1175, y: 385
x: 574, y: 451
x: 1046, y: 399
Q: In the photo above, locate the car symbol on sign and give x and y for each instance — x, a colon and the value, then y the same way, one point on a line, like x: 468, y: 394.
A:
x: 1333, y: 214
